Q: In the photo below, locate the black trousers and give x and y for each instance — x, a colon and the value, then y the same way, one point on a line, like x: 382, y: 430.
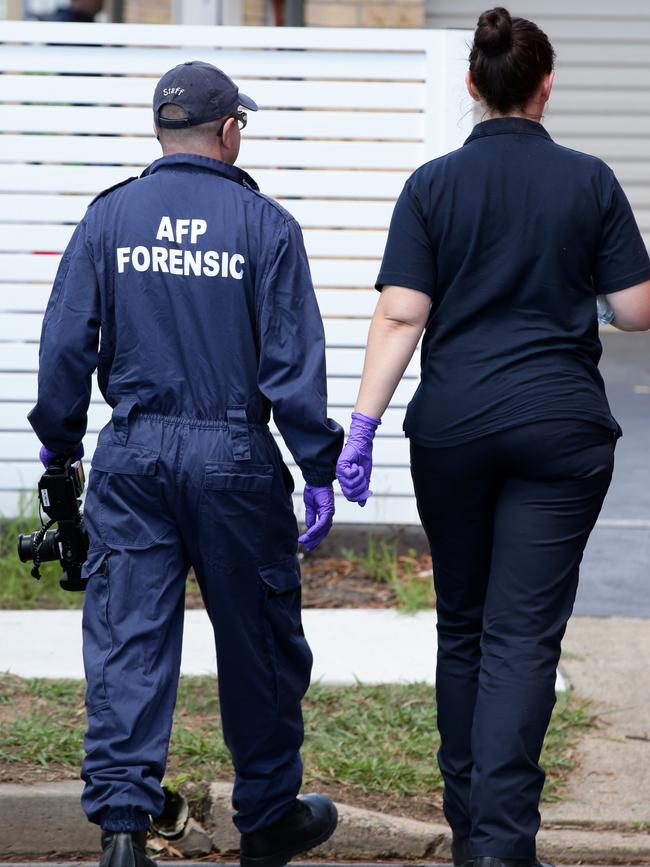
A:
x: 507, y: 517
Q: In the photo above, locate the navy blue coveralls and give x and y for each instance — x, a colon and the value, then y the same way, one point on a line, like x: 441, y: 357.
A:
x: 200, y: 288
x: 512, y: 439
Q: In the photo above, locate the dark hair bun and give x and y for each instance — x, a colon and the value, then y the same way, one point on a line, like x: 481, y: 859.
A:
x: 507, y: 60
x: 494, y: 31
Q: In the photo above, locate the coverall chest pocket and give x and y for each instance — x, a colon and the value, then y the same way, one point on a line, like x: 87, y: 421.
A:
x: 234, y: 508
x: 127, y: 486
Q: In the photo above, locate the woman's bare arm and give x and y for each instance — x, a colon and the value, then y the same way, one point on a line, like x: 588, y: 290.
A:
x: 397, y: 325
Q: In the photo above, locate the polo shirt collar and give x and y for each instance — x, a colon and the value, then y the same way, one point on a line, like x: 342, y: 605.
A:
x: 233, y: 173
x: 508, y: 126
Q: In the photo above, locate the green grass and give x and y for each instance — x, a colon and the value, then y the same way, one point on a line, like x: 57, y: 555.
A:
x: 17, y: 587
x: 382, y: 563
x: 377, y: 740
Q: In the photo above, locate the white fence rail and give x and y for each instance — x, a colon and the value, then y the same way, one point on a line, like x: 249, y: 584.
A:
x: 346, y: 116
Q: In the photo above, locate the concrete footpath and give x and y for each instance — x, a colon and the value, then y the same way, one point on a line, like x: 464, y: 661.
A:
x: 349, y: 645
x: 603, y: 818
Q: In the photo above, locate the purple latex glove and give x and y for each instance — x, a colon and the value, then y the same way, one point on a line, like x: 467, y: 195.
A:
x: 319, y: 512
x: 47, y: 456
x: 354, y: 465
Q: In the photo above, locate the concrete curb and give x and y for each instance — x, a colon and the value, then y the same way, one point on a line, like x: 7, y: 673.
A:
x: 46, y: 821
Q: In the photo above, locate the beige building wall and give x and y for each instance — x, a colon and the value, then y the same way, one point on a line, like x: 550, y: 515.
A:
x: 364, y: 13
x: 148, y: 12
x: 318, y: 13
x: 258, y: 13
x: 255, y: 13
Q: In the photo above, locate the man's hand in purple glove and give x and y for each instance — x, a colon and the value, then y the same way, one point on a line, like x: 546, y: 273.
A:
x: 354, y: 465
x: 48, y: 456
x: 319, y: 512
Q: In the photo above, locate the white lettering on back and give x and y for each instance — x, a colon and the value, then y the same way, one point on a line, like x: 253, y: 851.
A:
x: 176, y: 262
x: 181, y: 262
x: 141, y: 258
x: 237, y: 260
x: 123, y: 255
x: 199, y: 227
x: 211, y: 263
x: 165, y: 230
x: 159, y: 259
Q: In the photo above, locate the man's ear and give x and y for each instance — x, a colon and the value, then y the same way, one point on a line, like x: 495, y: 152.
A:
x: 230, y: 134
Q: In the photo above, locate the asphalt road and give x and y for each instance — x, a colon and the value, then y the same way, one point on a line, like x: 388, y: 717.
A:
x: 615, y: 577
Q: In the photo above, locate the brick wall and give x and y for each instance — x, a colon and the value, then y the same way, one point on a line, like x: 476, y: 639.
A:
x: 255, y: 13
x: 364, y: 13
x: 148, y: 11
x: 318, y: 13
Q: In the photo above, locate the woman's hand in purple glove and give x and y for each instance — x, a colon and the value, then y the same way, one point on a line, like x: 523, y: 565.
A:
x: 354, y: 465
x: 48, y: 456
x: 319, y: 513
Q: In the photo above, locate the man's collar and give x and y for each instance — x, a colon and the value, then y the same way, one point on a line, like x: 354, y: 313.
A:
x: 508, y: 126
x: 233, y: 173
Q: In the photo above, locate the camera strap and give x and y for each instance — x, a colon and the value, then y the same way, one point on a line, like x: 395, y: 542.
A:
x: 38, y: 541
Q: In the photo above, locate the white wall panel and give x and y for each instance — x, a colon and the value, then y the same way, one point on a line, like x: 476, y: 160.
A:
x: 342, y: 125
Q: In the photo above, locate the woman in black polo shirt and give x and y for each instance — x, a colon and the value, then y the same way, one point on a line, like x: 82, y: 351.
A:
x: 500, y: 249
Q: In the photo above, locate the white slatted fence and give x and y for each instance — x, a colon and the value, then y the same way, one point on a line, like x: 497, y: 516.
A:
x: 346, y: 116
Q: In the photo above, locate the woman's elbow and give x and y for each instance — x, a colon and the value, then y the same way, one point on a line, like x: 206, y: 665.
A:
x: 632, y: 307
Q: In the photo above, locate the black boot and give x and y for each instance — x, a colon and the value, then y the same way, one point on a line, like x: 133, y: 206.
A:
x: 489, y: 861
x: 461, y: 851
x: 308, y: 822
x: 125, y: 849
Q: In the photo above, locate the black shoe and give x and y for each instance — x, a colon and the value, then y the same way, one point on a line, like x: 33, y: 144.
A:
x: 489, y: 861
x: 125, y: 850
x: 308, y: 822
x: 461, y: 851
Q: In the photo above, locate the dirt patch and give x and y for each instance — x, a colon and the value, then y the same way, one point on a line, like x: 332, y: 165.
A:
x: 424, y: 808
x: 337, y: 582
x: 29, y: 773
x: 18, y: 706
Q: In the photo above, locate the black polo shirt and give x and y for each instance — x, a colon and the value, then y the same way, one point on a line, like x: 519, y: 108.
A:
x: 512, y: 236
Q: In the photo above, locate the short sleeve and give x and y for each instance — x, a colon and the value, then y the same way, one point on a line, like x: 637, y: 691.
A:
x: 622, y: 259
x: 408, y: 260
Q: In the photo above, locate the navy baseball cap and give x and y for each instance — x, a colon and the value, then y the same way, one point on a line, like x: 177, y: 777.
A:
x: 203, y: 91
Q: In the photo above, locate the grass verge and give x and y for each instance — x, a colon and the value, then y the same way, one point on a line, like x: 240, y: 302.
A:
x: 368, y: 745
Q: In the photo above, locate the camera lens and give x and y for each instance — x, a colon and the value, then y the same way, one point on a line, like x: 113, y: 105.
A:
x: 48, y: 549
x: 26, y: 547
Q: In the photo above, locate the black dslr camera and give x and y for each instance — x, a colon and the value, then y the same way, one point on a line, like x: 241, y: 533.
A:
x: 59, y: 490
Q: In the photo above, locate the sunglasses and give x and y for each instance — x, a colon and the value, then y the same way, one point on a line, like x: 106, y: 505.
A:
x: 240, y: 116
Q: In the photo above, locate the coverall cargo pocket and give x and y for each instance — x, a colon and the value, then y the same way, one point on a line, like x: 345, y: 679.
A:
x: 234, y: 509
x: 97, y: 638
x: 128, y: 490
x: 289, y: 653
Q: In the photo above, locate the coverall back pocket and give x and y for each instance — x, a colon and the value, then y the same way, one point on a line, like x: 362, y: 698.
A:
x: 234, y: 508
x: 126, y: 482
